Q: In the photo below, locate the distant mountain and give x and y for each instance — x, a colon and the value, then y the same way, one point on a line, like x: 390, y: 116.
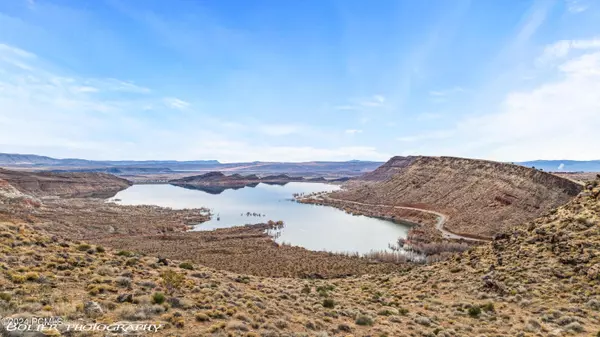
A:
x: 119, y: 170
x: 10, y: 159
x: 564, y: 165
x: 31, y: 160
x: 331, y: 169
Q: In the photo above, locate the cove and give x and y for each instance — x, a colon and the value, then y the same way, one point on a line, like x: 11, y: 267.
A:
x: 310, y: 226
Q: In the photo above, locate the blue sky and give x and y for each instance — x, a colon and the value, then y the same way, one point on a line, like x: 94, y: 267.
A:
x: 306, y: 80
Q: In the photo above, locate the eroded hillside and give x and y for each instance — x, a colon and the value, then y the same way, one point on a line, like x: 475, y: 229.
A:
x: 64, y: 184
x: 481, y: 198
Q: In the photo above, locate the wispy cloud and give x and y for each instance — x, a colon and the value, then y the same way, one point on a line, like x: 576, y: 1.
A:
x: 556, y: 119
x: 280, y: 129
x: 47, y: 112
x: 374, y: 101
x: 577, y: 6
x: 362, y: 104
x: 562, y: 48
x: 445, y: 95
x: 85, y: 88
x: 429, y: 135
x: 16, y: 57
x: 428, y: 116
x: 353, y: 131
x: 176, y: 103
x: 447, y: 92
x: 347, y: 107
x: 6, y: 50
x: 112, y: 84
x: 532, y: 22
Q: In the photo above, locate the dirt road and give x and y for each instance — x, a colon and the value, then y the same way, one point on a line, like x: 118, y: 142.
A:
x: 442, y: 218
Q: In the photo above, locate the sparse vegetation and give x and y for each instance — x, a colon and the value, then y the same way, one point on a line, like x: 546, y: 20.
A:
x: 201, y: 317
x: 6, y: 297
x: 124, y: 282
x: 328, y: 303
x: 84, y: 247
x: 158, y: 298
x: 172, y: 280
x: 364, y: 320
x: 125, y: 253
x: 488, y: 307
x: 186, y: 265
x: 546, y: 284
x: 474, y: 311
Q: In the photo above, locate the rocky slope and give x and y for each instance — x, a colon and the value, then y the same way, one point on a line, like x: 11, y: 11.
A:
x: 480, y: 197
x: 64, y: 184
x: 537, y: 279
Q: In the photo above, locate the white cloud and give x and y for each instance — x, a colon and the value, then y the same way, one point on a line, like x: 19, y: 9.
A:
x: 375, y: 101
x: 347, y: 107
x: 447, y: 92
x: 6, y: 50
x: 353, y: 131
x: 280, y: 129
x: 85, y: 88
x: 46, y: 112
x: 429, y: 135
x: 16, y: 57
x: 176, y: 103
x: 534, y: 19
x: 428, y: 116
x: 561, y: 49
x: 577, y: 6
x: 112, y: 84
x: 554, y: 120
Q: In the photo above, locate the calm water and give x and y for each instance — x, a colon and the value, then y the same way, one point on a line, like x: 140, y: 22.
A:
x: 310, y: 226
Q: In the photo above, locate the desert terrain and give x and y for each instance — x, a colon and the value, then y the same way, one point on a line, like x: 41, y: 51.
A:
x: 86, y: 260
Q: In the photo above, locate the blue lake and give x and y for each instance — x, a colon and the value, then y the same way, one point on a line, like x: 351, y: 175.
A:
x: 310, y: 226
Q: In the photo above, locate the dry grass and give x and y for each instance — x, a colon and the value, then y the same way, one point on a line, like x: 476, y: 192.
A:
x: 540, y: 279
x: 446, y: 299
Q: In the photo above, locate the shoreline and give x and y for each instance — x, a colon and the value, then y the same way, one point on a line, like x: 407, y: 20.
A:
x: 164, y: 232
x: 394, y: 213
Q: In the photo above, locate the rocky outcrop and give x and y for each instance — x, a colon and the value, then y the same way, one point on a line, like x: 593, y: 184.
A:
x: 480, y: 197
x: 100, y: 185
x: 10, y: 196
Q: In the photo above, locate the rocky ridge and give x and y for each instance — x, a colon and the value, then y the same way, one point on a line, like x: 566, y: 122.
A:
x: 481, y: 198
